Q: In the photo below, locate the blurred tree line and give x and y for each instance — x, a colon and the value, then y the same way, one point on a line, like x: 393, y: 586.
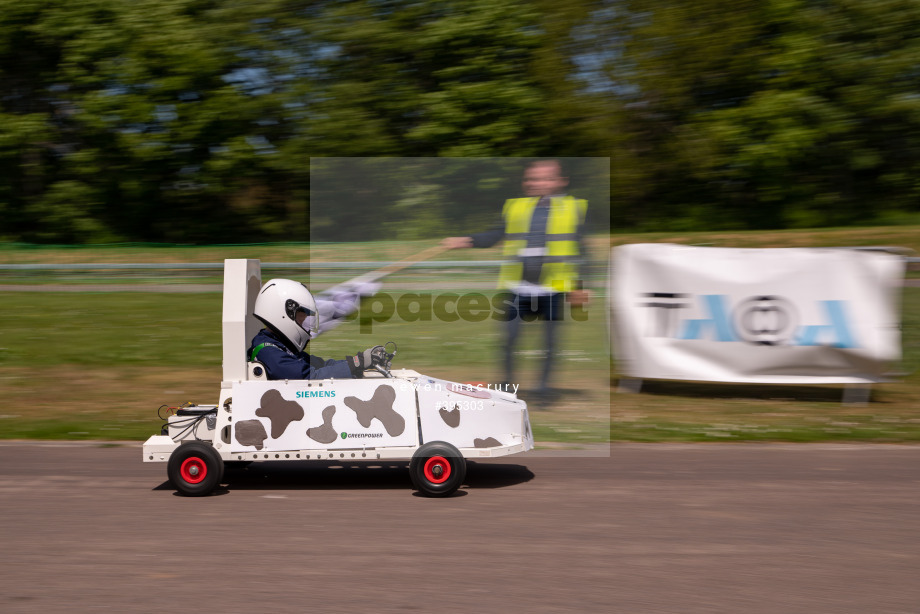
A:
x: 403, y: 198
x: 195, y: 120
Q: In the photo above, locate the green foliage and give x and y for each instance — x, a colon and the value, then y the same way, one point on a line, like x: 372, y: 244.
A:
x: 138, y: 120
x: 196, y: 120
x: 776, y: 114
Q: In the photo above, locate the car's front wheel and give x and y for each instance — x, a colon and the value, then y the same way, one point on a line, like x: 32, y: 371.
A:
x: 437, y: 469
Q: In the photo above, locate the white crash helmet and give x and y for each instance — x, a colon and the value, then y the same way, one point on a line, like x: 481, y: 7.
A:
x: 277, y: 305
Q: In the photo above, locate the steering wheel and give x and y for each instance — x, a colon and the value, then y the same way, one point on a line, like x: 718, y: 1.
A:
x: 383, y: 358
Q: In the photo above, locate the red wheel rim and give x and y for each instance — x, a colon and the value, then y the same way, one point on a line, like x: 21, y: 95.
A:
x: 193, y: 470
x: 434, y: 466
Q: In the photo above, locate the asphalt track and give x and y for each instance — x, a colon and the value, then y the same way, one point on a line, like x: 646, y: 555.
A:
x: 651, y: 528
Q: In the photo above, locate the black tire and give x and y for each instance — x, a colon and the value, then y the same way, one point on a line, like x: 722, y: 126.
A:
x: 437, y: 469
x: 195, y: 469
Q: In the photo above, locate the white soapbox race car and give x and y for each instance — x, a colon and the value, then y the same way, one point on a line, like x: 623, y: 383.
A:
x: 389, y: 414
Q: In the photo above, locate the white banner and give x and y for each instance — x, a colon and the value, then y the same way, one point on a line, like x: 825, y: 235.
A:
x: 802, y: 316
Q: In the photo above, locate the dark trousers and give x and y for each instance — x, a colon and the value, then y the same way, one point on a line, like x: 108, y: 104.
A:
x: 526, y: 308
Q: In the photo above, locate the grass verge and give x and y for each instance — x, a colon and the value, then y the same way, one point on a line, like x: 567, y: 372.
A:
x: 96, y: 365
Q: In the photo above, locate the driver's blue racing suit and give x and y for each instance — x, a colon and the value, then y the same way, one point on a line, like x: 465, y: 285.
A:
x: 282, y: 363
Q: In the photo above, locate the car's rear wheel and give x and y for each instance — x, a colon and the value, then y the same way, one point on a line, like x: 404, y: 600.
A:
x: 195, y: 468
x: 437, y: 469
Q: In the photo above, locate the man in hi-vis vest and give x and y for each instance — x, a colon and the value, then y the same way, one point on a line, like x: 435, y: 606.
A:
x: 544, y: 252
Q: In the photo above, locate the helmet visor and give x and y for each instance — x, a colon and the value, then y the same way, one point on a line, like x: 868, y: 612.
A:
x: 306, y: 318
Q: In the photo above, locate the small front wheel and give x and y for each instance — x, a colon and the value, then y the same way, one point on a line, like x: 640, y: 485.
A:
x: 437, y: 469
x: 195, y: 468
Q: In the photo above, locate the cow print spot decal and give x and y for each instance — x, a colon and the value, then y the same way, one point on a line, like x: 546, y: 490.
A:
x: 451, y: 418
x: 251, y: 433
x: 324, y: 433
x: 279, y: 411
x: 488, y: 442
x: 379, y: 406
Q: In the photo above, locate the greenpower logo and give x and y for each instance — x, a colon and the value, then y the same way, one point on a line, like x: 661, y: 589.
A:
x: 347, y: 435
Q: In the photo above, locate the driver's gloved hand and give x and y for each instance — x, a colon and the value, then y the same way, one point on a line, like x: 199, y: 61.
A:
x: 378, y: 355
x: 366, y: 360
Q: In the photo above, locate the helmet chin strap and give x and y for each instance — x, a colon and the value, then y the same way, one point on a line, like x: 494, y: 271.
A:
x: 309, y: 337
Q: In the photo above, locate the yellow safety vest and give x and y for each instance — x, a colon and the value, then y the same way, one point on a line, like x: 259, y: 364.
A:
x: 560, y: 268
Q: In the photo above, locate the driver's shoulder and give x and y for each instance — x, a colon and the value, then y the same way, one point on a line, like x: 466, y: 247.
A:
x: 263, y: 342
